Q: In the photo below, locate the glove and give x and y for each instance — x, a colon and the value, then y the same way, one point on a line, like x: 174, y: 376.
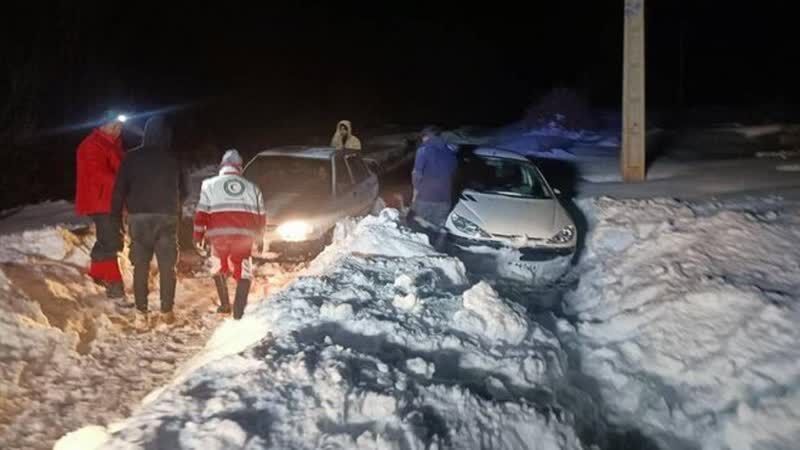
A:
x: 202, y: 248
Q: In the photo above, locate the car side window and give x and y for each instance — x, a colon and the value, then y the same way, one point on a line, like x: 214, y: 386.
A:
x: 343, y: 180
x: 358, y: 169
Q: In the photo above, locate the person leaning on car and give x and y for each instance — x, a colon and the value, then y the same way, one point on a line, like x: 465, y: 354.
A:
x: 343, y: 138
x: 434, y: 172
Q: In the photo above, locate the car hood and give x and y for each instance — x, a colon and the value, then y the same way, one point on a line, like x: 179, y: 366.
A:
x: 506, y: 216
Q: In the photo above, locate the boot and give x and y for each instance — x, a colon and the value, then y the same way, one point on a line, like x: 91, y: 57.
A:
x: 115, y: 290
x: 240, y: 301
x: 141, y: 320
x: 221, y: 282
x: 168, y: 317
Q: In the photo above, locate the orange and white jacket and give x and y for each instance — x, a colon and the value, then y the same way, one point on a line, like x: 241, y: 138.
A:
x: 229, y: 205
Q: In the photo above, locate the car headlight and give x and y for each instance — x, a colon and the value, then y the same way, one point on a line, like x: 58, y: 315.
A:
x: 565, y: 235
x: 295, y: 230
x: 468, y: 227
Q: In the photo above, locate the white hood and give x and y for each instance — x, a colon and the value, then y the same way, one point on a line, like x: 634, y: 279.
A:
x: 506, y: 216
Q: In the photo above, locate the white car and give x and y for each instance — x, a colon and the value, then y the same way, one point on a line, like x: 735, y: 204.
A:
x: 307, y: 190
x: 504, y: 201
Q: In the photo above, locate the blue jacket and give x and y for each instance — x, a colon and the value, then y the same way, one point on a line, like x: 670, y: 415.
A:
x: 434, y: 170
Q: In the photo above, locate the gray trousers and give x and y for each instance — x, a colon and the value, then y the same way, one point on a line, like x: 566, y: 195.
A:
x: 154, y: 234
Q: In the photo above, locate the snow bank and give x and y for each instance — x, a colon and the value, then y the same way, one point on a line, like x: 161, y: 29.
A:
x: 68, y: 355
x: 688, y: 318
x: 375, y: 347
x: 41, y: 215
x: 554, y: 141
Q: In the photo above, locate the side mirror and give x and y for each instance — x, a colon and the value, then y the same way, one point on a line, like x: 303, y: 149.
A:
x: 557, y: 191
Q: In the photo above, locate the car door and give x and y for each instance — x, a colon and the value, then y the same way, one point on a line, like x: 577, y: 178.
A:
x: 365, y: 183
x: 346, y: 200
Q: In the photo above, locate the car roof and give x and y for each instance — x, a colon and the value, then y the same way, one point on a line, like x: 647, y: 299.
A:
x: 304, y: 151
x: 496, y: 153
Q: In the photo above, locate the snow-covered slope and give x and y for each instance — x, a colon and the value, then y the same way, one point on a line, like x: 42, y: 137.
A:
x: 383, y: 345
x: 689, y: 319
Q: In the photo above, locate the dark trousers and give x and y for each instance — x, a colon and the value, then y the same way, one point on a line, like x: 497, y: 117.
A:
x: 154, y: 233
x: 108, y: 243
x: 109, y: 240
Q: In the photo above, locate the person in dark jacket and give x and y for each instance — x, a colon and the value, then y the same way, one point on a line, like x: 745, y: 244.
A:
x: 434, y: 171
x: 150, y: 185
x: 98, y: 160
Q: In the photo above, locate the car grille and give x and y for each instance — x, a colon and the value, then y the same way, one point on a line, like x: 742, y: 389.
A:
x: 515, y: 237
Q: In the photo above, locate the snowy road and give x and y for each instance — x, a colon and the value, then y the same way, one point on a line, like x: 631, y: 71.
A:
x: 69, y: 356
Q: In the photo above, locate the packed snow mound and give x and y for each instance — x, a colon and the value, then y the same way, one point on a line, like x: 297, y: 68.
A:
x: 379, y: 235
x: 688, y: 318
x: 485, y: 314
x: 377, y: 347
x: 42, y: 215
x: 69, y: 356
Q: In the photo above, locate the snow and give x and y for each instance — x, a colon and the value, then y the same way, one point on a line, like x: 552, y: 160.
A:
x: 486, y: 315
x: 788, y: 167
x: 42, y: 215
x: 682, y: 326
x: 69, y: 357
x: 553, y: 141
x: 687, y: 316
x: 87, y: 438
x: 342, y: 363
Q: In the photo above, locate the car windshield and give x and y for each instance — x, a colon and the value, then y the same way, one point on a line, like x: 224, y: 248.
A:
x: 278, y: 174
x: 502, y: 176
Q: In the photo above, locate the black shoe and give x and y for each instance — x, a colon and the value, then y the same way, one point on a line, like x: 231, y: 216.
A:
x: 115, y: 290
x: 222, y: 291
x: 240, y: 300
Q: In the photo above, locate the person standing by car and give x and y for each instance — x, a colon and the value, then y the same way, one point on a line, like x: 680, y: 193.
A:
x: 434, y: 172
x: 344, y: 138
x: 151, y: 185
x: 230, y: 216
x: 98, y: 160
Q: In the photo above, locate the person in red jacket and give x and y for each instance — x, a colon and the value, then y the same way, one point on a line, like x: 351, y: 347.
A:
x: 98, y: 159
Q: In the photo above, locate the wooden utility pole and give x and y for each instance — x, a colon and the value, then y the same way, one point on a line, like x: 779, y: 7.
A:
x: 633, y: 101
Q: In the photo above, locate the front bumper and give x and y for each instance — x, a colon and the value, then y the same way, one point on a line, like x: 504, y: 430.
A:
x: 539, y: 253
x: 275, y: 248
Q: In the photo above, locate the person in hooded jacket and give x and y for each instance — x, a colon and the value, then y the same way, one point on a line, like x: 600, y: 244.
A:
x: 150, y: 184
x: 433, y: 177
x: 230, y: 216
x: 98, y: 158
x: 344, y: 138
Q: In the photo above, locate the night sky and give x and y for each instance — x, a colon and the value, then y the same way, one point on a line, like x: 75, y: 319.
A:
x: 254, y: 77
x: 404, y: 60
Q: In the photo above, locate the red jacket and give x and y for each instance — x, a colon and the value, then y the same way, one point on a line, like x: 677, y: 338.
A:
x: 98, y: 159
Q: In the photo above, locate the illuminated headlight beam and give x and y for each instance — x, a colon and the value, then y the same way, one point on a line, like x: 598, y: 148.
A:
x: 295, y: 231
